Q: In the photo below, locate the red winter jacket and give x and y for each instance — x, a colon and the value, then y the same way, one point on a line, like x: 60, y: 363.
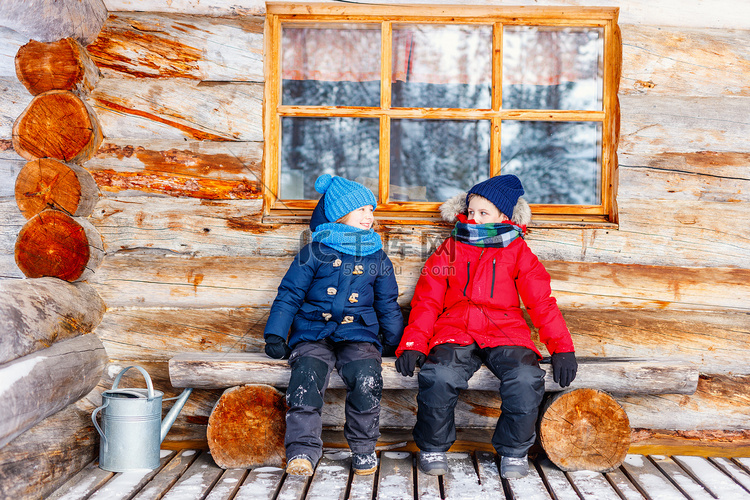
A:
x: 470, y: 294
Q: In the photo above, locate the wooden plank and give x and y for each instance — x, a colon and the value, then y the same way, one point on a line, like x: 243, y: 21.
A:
x: 687, y: 484
x: 715, y: 481
x: 732, y: 470
x: 489, y: 476
x: 663, y: 60
x: 396, y: 476
x: 331, y: 477
x: 260, y: 484
x: 217, y: 370
x: 530, y: 487
x: 648, y: 479
x: 126, y: 484
x: 185, y: 106
x: 461, y: 481
x: 83, y: 484
x: 168, y: 475
x: 592, y: 485
x: 556, y: 480
x: 622, y: 484
x: 197, y: 481
x: 227, y: 485
x: 294, y: 488
x: 175, y: 45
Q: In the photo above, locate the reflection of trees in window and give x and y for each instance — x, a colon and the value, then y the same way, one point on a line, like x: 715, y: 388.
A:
x: 557, y: 161
x: 339, y: 146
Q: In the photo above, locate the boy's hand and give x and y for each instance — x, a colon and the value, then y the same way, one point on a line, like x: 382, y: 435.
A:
x: 564, y: 367
x: 408, y: 361
x: 276, y: 347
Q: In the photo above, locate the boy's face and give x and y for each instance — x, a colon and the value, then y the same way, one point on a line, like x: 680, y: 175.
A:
x: 483, y: 211
x: 361, y: 218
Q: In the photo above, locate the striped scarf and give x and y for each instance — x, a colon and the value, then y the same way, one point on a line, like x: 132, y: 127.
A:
x: 487, y: 235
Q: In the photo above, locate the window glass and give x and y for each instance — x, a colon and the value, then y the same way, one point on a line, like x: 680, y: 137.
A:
x: 331, y: 65
x: 310, y: 147
x: 448, y: 66
x: 558, y: 162
x: 433, y: 160
x: 552, y: 68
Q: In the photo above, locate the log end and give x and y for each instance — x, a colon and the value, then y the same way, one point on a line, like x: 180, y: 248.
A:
x: 246, y: 427
x: 584, y: 429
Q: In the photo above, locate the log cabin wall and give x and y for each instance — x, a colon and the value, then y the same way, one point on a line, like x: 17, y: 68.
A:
x: 190, y: 264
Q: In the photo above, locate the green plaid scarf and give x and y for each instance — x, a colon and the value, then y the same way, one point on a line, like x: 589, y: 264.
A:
x: 486, y: 235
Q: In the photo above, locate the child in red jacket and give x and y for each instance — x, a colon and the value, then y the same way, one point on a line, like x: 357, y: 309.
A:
x: 466, y: 311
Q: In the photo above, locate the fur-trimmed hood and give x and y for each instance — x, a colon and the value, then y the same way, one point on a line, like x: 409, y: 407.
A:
x: 457, y: 205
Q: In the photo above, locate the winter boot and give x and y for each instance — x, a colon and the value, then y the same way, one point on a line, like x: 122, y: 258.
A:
x: 434, y: 463
x: 513, y: 467
x: 364, y: 464
x: 300, y: 465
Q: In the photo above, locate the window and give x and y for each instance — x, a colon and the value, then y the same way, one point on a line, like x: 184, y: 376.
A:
x: 419, y: 103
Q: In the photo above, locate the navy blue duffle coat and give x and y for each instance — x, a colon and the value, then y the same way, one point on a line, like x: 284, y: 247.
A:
x: 330, y: 294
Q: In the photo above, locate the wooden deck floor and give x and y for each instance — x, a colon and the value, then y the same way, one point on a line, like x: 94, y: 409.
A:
x: 190, y: 474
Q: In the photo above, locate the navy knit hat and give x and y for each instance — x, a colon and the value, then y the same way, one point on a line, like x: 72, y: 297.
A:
x: 503, y: 191
x: 343, y: 196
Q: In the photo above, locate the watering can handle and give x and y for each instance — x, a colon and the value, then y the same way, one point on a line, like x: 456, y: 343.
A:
x: 145, y: 376
x: 96, y: 424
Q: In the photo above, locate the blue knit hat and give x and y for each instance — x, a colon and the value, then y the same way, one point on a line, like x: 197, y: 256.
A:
x: 343, y: 196
x: 503, y: 191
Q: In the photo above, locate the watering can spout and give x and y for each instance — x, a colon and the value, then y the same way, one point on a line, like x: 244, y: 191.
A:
x: 169, y: 419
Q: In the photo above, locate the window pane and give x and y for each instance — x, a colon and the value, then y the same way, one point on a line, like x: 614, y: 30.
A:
x: 338, y: 146
x: 557, y: 162
x: 442, y: 66
x: 552, y: 68
x: 331, y: 65
x: 433, y: 160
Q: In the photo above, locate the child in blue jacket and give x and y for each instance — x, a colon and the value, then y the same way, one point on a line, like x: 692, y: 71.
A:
x: 337, y: 303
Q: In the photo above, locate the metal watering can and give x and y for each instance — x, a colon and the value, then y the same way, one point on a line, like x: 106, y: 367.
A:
x: 133, y: 429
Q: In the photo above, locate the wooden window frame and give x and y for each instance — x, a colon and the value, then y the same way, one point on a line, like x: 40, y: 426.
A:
x: 604, y: 215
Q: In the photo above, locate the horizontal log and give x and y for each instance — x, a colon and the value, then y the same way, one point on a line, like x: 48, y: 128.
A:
x: 197, y: 169
x: 668, y: 61
x: 230, y: 111
x: 43, y: 458
x: 723, y: 13
x: 152, y: 279
x: 220, y: 370
x: 175, y: 45
x: 61, y: 65
x: 34, y: 314
x: 713, y: 341
x: 653, y: 124
x: 43, y: 383
x: 51, y: 20
x: 15, y: 99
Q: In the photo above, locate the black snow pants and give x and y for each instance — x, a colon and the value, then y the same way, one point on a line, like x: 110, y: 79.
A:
x: 446, y: 373
x: 358, y: 364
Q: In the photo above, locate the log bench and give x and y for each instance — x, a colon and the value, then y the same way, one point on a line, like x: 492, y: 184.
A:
x: 581, y: 427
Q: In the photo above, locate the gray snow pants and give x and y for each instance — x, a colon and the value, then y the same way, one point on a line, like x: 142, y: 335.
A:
x: 358, y: 364
x: 446, y: 373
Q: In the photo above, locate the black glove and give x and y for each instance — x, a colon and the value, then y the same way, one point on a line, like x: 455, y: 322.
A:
x: 409, y: 360
x: 276, y: 347
x: 564, y: 367
x: 389, y: 351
